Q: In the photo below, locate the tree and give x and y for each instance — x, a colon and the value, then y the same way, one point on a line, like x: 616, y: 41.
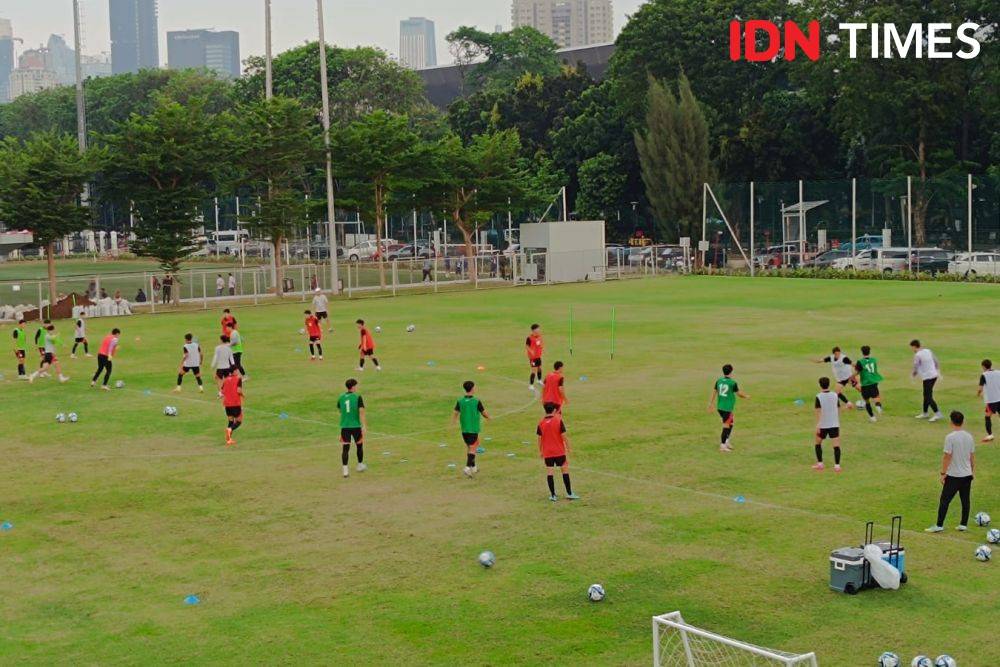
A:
x: 505, y: 56
x: 276, y: 144
x: 602, y: 187
x: 673, y: 152
x: 42, y: 180
x: 373, y: 158
x: 165, y: 165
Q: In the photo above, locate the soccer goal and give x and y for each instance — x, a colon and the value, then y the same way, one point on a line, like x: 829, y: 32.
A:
x: 677, y: 643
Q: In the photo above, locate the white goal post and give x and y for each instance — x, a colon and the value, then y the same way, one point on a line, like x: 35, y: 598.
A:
x: 675, y: 643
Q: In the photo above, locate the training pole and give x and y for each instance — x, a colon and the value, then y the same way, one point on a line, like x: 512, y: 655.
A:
x: 612, y: 333
x: 571, y: 330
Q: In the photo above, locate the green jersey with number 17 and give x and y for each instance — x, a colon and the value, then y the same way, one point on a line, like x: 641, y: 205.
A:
x: 868, y: 369
x: 726, y: 389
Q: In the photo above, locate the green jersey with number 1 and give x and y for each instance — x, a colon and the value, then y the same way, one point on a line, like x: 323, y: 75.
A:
x: 868, y: 369
x: 350, y: 405
x: 726, y: 389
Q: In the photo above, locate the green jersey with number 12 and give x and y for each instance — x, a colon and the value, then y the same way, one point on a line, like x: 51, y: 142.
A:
x: 726, y: 389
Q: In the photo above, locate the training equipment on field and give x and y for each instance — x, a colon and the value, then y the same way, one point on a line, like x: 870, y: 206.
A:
x: 676, y: 643
x: 120, y: 384
x: 378, y: 329
x: 487, y: 559
x: 993, y: 535
x: 61, y: 418
x: 6, y: 526
x: 192, y: 600
x: 411, y: 328
x: 799, y: 402
x: 595, y: 593
x: 983, y: 553
x: 921, y: 661
x: 480, y: 450
x: 982, y: 519
x: 851, y: 571
x: 888, y: 659
x: 739, y: 500
x: 283, y: 415
x: 73, y: 417
x: 945, y: 661
x: 170, y: 411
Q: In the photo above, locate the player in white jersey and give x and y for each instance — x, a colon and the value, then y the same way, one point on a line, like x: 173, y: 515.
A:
x: 843, y: 373
x: 321, y: 306
x: 190, y: 362
x: 989, y: 389
x: 927, y: 368
x: 80, y: 338
x: 223, y: 361
x: 827, y: 423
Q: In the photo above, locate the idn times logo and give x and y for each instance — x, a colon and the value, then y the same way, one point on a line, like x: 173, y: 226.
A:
x: 763, y: 41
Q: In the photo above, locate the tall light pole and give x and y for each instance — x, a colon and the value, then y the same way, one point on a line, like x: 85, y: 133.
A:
x: 81, y: 110
x: 330, y: 207
x: 268, y: 72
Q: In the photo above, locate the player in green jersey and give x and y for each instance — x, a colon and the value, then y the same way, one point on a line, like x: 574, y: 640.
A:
x: 50, y: 341
x: 866, y: 370
x: 469, y: 411
x: 724, y: 394
x: 20, y: 349
x: 352, y: 425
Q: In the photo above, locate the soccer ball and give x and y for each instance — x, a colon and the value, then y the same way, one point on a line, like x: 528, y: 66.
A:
x: 993, y: 535
x: 170, y: 411
x: 73, y: 418
x: 411, y: 328
x: 61, y: 418
x: 983, y: 553
x: 888, y: 659
x: 302, y: 332
x: 378, y: 329
x: 487, y: 559
x: 595, y: 593
x: 982, y: 519
x: 859, y: 404
x: 921, y: 661
x: 120, y: 384
x: 945, y: 661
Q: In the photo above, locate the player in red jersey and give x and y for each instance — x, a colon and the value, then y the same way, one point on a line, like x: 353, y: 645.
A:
x: 315, y: 334
x: 366, y: 347
x: 553, y: 445
x: 228, y: 322
x: 105, y: 357
x: 553, y: 390
x: 232, y: 401
x: 533, y: 347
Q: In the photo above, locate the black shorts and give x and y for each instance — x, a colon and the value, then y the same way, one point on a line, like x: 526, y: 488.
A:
x: 869, y: 391
x: 19, y: 354
x: 825, y: 433
x: 222, y: 373
x: 234, y: 411
x: 727, y: 417
x: 552, y: 461
x: 315, y: 339
x: 536, y: 363
x: 48, y: 357
x: 191, y: 369
x: 80, y: 340
x: 470, y: 438
x: 992, y: 409
x: 322, y: 316
x: 367, y: 353
x: 849, y: 381
x: 348, y: 434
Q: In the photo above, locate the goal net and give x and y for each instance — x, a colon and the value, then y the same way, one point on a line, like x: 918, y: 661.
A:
x: 675, y: 643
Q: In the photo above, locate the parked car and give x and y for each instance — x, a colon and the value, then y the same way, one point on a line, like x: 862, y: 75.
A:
x: 672, y: 258
x: 786, y: 254
x: 363, y: 250
x: 931, y: 260
x: 865, y: 242
x: 617, y: 254
x: 970, y: 264
x: 886, y: 260
x: 828, y: 259
x: 406, y: 252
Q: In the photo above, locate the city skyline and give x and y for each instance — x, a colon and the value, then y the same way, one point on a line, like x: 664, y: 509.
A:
x: 349, y: 22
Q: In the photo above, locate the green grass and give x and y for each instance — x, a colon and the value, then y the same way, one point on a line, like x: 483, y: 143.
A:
x: 119, y: 517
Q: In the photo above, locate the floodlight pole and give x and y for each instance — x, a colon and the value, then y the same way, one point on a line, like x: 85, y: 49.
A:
x: 854, y: 220
x: 969, y: 204
x: 330, y: 204
x: 802, y: 225
x: 909, y: 223
x: 81, y: 110
x: 268, y: 58
x: 752, y: 219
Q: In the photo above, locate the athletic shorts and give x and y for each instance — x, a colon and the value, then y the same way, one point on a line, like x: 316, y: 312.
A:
x: 727, y: 417
x: 552, y: 461
x: 322, y: 316
x: 470, y: 438
x: 348, y: 434
x: 825, y: 433
x: 79, y: 340
x: 992, y: 409
x: 536, y: 363
x: 223, y: 373
x: 41, y: 351
x: 367, y: 353
x: 849, y: 381
x: 869, y: 391
x: 192, y: 369
x: 315, y: 339
x: 48, y: 357
x: 19, y: 354
x: 235, y: 411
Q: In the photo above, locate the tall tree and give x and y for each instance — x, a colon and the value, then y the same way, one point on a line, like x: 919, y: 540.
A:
x: 166, y: 164
x: 673, y: 152
x: 42, y: 180
x: 276, y: 145
x: 602, y: 187
x: 496, y: 60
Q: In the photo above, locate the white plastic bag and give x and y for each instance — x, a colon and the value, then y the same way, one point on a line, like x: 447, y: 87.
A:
x: 885, y: 574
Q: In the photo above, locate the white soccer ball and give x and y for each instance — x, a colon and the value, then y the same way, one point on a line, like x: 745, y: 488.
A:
x: 993, y: 535
x: 411, y: 328
x: 859, y: 404
x: 120, y: 384
x: 302, y: 332
x: 595, y: 593
x: 170, y: 411
x: 983, y: 553
x: 73, y: 417
x: 982, y: 519
x: 945, y: 661
x: 61, y: 418
x: 888, y: 659
x: 487, y: 559
x: 378, y: 329
x: 921, y: 661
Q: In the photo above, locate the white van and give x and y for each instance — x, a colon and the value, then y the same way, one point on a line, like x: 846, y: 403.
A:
x: 885, y: 260
x: 229, y: 241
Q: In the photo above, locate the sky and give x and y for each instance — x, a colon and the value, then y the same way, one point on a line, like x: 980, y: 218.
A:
x: 348, y: 22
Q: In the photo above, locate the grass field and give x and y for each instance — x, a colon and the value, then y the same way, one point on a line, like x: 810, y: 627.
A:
x: 119, y: 517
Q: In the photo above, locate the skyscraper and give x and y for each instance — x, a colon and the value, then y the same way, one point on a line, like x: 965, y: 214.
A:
x: 134, y: 41
x: 32, y: 74
x: 570, y: 23
x: 218, y: 51
x: 6, y: 59
x: 417, y: 47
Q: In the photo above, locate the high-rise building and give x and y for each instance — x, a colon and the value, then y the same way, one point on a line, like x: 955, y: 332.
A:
x: 134, y: 41
x: 417, y: 47
x: 6, y: 59
x: 32, y: 74
x: 218, y: 51
x: 570, y: 23
x: 61, y: 59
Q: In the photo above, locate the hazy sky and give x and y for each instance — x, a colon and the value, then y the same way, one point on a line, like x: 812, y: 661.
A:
x: 348, y: 22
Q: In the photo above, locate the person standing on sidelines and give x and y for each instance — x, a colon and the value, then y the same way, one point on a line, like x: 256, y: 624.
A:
x: 232, y: 285
x: 958, y: 468
x: 190, y: 363
x: 220, y: 285
x: 231, y: 394
x: 21, y: 349
x: 553, y: 388
x: 222, y: 361
x: 989, y: 389
x: 80, y: 338
x: 49, y: 359
x: 353, y: 425
x: 469, y: 412
x: 827, y: 423
x: 236, y: 344
x: 866, y: 370
x: 927, y: 368
x: 321, y: 306
x: 105, y: 355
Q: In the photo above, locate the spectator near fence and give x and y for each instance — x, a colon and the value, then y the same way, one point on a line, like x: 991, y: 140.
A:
x: 220, y: 285
x: 168, y: 288
x: 156, y: 289
x: 232, y: 285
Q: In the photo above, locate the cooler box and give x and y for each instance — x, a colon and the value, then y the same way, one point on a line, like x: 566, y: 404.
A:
x: 895, y: 556
x: 847, y: 569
